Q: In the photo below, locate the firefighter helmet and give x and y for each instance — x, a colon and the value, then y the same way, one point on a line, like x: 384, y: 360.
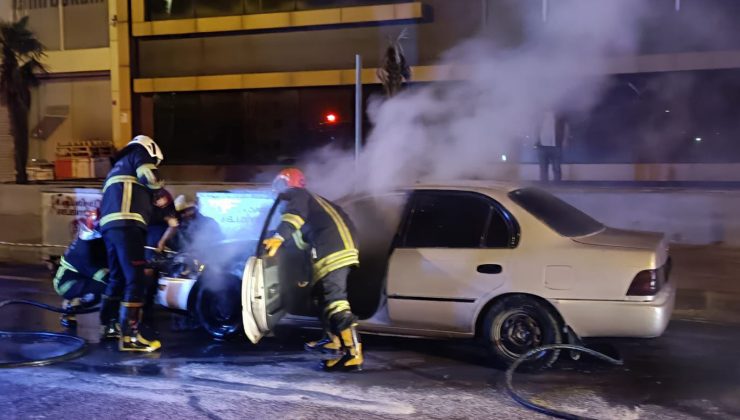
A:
x: 150, y: 146
x: 184, y: 202
x: 87, y: 228
x: 289, y: 178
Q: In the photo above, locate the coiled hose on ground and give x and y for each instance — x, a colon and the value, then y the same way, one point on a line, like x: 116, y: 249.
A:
x: 79, y: 344
x: 541, y: 408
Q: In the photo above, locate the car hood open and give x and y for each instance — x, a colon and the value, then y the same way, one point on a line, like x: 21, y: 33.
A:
x: 624, y: 239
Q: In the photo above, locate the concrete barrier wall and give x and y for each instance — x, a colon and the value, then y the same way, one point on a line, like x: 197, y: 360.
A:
x: 687, y: 216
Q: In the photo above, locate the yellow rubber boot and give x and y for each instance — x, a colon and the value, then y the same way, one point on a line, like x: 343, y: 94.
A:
x: 330, y: 344
x: 351, y: 358
x: 131, y: 338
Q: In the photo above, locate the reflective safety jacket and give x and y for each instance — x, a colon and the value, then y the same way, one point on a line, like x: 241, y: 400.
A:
x: 127, y: 198
x: 88, y: 259
x: 314, y: 222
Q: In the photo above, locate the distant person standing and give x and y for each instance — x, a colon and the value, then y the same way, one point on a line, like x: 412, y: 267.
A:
x: 553, y: 132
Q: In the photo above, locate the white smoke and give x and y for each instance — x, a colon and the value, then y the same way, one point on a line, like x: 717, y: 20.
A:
x: 456, y: 130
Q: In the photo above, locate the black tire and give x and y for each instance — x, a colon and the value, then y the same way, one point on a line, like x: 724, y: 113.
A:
x: 219, y: 312
x: 517, y: 324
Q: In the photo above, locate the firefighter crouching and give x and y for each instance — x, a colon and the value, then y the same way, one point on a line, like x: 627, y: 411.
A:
x: 125, y: 213
x: 322, y: 228
x: 83, y: 271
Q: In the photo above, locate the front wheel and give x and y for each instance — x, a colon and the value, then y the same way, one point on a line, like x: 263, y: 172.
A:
x: 219, y: 312
x: 517, y: 324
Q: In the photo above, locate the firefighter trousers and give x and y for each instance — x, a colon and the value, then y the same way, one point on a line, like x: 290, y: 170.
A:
x: 125, y: 247
x: 331, y: 293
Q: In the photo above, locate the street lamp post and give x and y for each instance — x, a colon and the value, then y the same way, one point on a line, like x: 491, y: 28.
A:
x: 358, y: 107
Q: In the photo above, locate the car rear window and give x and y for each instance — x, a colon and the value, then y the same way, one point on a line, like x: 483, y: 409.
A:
x: 556, y: 213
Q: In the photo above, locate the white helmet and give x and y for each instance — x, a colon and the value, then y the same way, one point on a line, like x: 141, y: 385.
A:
x: 150, y: 146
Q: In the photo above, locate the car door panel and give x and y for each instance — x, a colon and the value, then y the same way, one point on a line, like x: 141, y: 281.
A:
x: 453, y: 249
x: 262, y: 305
x: 439, y: 288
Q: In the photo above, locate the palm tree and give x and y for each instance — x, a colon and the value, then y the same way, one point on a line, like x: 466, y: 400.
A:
x: 21, y: 55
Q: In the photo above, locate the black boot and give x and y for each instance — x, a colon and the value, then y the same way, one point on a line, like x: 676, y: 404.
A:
x: 110, y: 327
x: 351, y: 358
x: 69, y: 320
x: 131, y: 338
x: 329, y: 344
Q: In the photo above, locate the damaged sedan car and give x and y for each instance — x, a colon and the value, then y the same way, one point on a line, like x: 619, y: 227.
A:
x: 515, y: 268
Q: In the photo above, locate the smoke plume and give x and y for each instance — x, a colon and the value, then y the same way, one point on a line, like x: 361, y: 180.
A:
x: 462, y: 129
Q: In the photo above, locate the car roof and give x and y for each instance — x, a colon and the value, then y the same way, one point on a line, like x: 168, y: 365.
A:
x: 485, y: 187
x: 470, y: 185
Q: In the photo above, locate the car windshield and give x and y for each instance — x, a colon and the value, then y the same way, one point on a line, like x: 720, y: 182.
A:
x: 557, y: 214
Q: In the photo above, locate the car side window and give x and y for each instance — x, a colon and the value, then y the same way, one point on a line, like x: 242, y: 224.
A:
x: 447, y: 220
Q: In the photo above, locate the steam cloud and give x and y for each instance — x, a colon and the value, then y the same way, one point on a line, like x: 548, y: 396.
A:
x: 459, y: 130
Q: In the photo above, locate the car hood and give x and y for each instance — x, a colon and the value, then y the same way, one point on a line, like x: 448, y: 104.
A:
x: 624, y: 239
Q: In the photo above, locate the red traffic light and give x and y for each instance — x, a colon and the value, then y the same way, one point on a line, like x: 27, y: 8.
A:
x: 330, y: 118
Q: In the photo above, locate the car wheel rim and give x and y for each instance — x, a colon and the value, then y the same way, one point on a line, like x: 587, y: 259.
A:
x: 516, y: 333
x: 220, y: 313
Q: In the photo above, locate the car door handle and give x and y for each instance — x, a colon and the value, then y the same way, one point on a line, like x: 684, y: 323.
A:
x: 490, y: 269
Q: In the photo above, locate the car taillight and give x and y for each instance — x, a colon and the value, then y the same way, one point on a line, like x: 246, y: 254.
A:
x: 646, y: 283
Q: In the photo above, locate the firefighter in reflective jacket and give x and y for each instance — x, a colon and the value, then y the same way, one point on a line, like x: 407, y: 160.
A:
x: 322, y: 228
x: 83, y: 271
x: 125, y: 212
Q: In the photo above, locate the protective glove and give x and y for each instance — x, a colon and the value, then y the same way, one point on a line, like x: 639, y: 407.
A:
x: 273, y: 244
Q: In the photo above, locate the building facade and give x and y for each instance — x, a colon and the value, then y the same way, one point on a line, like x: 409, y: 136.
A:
x: 251, y: 82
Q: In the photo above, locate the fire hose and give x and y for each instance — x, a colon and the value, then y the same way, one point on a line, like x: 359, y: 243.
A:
x: 539, y: 407
x: 79, y: 344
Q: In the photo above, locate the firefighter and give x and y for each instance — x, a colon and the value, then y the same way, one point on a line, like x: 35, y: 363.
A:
x: 163, y: 224
x: 318, y: 226
x: 83, y: 271
x: 125, y: 213
x: 161, y: 230
x: 197, y: 232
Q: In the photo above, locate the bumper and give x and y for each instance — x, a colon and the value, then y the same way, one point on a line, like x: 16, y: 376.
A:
x: 590, y: 318
x: 174, y: 293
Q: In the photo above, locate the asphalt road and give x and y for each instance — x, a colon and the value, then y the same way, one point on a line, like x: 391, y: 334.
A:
x: 690, y: 372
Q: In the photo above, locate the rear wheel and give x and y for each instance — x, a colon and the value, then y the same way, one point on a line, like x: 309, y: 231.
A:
x: 219, y: 312
x: 518, y: 324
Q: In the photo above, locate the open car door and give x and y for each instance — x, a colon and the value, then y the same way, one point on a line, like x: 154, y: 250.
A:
x: 262, y: 306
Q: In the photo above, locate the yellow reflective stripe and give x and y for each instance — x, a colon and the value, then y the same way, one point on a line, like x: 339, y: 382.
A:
x: 100, y: 275
x: 58, y: 277
x: 119, y: 178
x: 67, y: 265
x: 334, y: 262
x: 132, y: 304
x: 324, y: 271
x: 338, y: 221
x: 65, y: 287
x: 146, y: 171
x: 121, y: 216
x: 295, y: 220
x: 299, y: 242
x: 331, y: 258
x: 336, y: 307
x: 126, y: 199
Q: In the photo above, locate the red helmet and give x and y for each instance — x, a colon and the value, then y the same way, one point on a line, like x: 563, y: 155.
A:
x: 162, y: 194
x: 289, y: 178
x: 88, y: 225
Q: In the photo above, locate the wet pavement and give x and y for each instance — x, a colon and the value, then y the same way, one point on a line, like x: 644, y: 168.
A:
x: 690, y: 372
